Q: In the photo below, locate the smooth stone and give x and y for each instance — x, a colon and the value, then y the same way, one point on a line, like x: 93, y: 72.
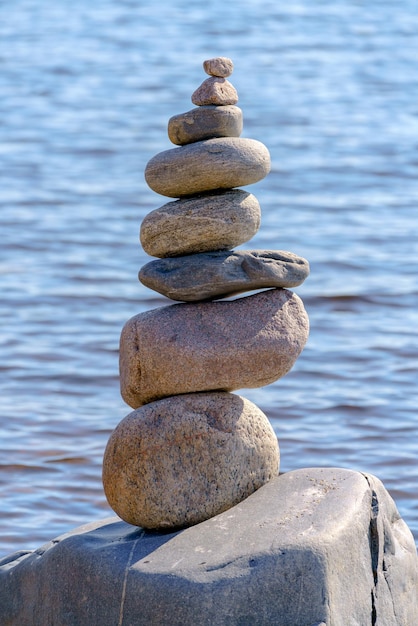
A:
x: 221, y: 274
x: 211, y: 346
x: 215, y: 90
x: 219, y: 66
x: 205, y: 122
x: 313, y: 546
x: 178, y: 461
x: 221, y: 163
x: 214, y: 221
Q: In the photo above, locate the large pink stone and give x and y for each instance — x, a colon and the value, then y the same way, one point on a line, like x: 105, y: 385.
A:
x: 208, y: 346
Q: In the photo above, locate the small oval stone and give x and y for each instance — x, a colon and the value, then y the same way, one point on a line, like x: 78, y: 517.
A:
x: 215, y: 90
x: 208, y: 346
x: 222, y: 274
x: 214, y: 221
x: 181, y: 460
x: 219, y: 66
x: 205, y: 122
x: 221, y: 163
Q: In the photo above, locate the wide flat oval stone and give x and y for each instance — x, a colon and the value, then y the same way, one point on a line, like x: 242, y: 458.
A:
x: 213, y: 221
x: 184, y: 459
x: 220, y: 274
x: 205, y: 122
x: 221, y: 163
x: 215, y: 90
x: 208, y: 346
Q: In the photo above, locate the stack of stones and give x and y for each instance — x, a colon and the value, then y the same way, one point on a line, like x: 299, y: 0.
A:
x: 192, y: 449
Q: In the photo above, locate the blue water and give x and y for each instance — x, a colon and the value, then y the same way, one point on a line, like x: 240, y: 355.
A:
x: 86, y: 90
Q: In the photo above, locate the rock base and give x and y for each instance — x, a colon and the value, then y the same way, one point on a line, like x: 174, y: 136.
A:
x: 312, y: 547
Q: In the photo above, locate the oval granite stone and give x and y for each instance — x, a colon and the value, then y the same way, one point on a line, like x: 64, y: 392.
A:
x: 213, y: 221
x: 208, y: 346
x: 221, y: 163
x: 205, y: 122
x: 221, y: 274
x: 184, y: 459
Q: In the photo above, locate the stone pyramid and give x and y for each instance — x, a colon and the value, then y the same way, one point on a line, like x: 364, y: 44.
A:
x: 192, y: 449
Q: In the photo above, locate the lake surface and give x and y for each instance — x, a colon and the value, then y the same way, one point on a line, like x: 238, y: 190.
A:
x: 86, y: 91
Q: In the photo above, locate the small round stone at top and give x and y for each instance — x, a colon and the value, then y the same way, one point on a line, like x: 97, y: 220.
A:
x: 219, y: 66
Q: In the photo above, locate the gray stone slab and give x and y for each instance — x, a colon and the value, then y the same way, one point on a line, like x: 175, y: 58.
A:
x: 314, y: 546
x: 221, y: 274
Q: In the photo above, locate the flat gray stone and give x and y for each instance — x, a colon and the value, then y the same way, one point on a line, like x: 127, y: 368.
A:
x: 211, y: 346
x: 205, y: 122
x: 221, y: 163
x: 178, y: 461
x: 221, y: 274
x: 213, y: 221
x: 313, y: 546
x: 215, y: 90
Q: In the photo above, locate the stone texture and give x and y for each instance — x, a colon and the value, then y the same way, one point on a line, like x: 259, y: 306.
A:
x: 178, y: 461
x: 205, y: 122
x: 313, y: 546
x: 215, y: 90
x: 219, y: 66
x: 220, y: 274
x: 220, y: 163
x: 208, y: 346
x: 213, y: 221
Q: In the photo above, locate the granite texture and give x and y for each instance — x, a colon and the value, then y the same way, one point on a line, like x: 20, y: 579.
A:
x: 212, y: 221
x: 221, y: 163
x: 313, y: 546
x: 215, y: 90
x: 219, y: 66
x: 205, y: 122
x: 221, y: 274
x: 178, y: 461
x: 211, y: 346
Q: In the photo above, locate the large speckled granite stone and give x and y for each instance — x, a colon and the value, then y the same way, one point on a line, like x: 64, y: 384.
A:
x: 209, y: 346
x: 220, y: 274
x: 205, y: 122
x: 178, y: 461
x: 313, y: 546
x: 221, y: 163
x: 212, y: 221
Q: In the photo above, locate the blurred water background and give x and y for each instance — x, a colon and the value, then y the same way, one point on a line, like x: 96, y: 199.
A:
x: 86, y: 91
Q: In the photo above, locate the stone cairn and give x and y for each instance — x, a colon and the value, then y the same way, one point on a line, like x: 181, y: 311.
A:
x: 192, y: 449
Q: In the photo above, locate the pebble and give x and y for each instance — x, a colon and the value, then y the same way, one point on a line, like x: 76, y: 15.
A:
x: 181, y: 460
x: 221, y: 163
x: 214, y: 221
x: 215, y: 90
x: 208, y: 346
x: 221, y: 274
x: 205, y: 122
x: 219, y: 66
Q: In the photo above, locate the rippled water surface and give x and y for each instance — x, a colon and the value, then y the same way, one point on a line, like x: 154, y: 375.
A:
x: 86, y: 90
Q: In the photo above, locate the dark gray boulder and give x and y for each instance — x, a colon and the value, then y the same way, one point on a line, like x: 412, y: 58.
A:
x: 313, y: 546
